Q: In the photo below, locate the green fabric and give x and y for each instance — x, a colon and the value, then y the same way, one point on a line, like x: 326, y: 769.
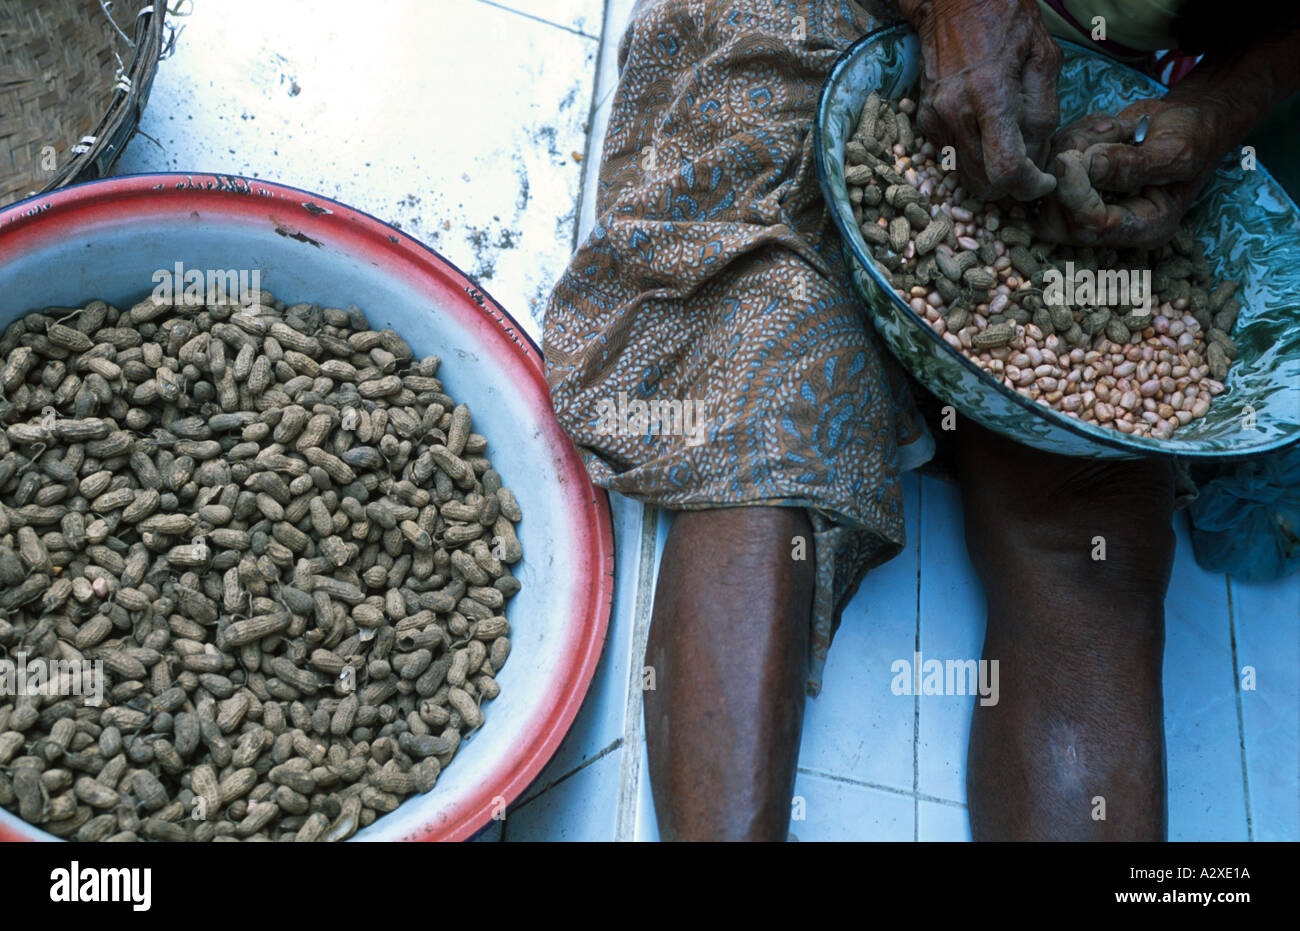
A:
x: 1147, y: 25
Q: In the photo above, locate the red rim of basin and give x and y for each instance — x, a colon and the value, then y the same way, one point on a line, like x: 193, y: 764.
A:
x: 74, y: 211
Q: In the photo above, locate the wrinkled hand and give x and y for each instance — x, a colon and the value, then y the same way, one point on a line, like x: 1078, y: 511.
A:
x: 988, y: 88
x: 1184, y: 141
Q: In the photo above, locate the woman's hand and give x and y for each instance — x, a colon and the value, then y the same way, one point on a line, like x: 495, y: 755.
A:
x: 1184, y: 141
x: 988, y: 87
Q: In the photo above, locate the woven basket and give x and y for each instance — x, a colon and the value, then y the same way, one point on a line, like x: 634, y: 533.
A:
x: 74, y: 78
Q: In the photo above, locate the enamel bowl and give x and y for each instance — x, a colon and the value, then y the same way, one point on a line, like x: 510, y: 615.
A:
x: 105, y: 239
x: 1250, y: 227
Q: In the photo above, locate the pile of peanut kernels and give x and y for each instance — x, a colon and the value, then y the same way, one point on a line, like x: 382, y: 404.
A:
x: 283, y: 542
x: 975, y: 273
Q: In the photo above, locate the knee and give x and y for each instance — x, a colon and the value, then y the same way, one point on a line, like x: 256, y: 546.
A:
x: 765, y: 534
x: 767, y: 550
x: 1119, y: 515
x: 1097, y: 534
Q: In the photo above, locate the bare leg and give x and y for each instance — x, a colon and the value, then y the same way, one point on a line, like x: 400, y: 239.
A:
x: 728, y: 643
x: 1079, y: 641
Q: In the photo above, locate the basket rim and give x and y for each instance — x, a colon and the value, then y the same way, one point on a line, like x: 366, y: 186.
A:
x: 108, y: 134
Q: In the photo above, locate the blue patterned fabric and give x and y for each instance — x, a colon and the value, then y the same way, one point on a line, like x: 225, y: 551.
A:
x: 1247, y: 522
x: 714, y: 279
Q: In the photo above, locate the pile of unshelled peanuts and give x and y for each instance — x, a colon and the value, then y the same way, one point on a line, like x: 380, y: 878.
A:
x: 268, y: 546
x: 976, y: 274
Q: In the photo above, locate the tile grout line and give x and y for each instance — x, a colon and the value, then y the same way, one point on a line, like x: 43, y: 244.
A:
x: 1236, y: 694
x: 881, y: 787
x: 536, y: 19
x: 633, y: 728
x: 587, y: 154
x: 577, y: 223
x: 916, y: 699
x: 603, y: 752
x: 608, y: 94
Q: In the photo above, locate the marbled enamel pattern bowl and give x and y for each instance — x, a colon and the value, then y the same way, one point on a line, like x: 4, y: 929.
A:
x: 1250, y: 227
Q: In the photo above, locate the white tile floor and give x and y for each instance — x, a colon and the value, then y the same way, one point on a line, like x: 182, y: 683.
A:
x: 477, y: 126
x: 460, y: 121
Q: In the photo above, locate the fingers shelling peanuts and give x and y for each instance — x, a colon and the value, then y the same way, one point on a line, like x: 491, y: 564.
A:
x: 975, y: 273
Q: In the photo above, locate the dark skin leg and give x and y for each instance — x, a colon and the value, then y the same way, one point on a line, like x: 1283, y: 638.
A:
x: 729, y: 644
x: 1079, y: 641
